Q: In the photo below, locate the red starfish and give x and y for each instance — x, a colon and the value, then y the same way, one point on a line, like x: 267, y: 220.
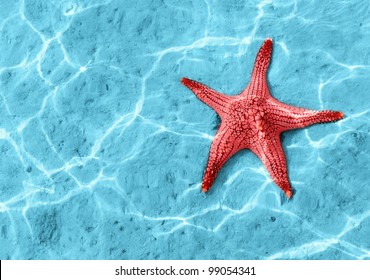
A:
x: 254, y: 120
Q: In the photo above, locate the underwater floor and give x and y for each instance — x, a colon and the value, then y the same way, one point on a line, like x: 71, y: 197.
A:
x: 102, y: 149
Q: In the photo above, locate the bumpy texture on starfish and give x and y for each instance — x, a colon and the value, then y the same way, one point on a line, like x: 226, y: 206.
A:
x: 254, y: 120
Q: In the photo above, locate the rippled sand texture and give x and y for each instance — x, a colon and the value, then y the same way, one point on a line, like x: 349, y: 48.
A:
x: 103, y: 150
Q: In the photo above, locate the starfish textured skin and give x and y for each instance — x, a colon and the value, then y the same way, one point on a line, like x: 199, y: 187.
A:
x: 254, y: 120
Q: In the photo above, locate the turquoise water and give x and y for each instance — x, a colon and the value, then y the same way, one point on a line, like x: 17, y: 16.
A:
x: 103, y: 150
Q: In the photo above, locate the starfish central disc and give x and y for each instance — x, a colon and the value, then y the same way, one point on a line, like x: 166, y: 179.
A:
x: 254, y: 120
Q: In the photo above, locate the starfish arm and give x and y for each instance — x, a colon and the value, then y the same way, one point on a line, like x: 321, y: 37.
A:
x: 258, y: 84
x: 271, y: 153
x: 224, y: 145
x: 263, y: 58
x: 212, y: 98
x: 290, y: 117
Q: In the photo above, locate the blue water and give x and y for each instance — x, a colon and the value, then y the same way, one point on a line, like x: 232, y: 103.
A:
x: 103, y: 150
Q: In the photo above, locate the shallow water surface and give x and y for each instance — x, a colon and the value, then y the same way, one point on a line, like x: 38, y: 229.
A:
x: 103, y: 150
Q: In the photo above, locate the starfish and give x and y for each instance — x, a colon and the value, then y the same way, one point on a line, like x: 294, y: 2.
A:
x: 254, y: 120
